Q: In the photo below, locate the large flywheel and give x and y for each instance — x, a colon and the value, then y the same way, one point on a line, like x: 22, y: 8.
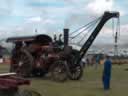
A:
x: 23, y: 63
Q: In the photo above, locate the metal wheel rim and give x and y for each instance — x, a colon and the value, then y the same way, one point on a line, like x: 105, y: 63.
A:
x: 59, y: 72
x: 77, y: 72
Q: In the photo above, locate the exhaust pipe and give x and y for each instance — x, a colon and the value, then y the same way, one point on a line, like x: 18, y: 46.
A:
x: 66, y: 37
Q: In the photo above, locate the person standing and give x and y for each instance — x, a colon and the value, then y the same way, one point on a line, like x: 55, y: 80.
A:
x: 97, y: 61
x: 107, y: 73
x: 84, y: 62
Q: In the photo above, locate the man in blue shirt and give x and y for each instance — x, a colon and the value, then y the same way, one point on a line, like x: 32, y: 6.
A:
x: 107, y: 73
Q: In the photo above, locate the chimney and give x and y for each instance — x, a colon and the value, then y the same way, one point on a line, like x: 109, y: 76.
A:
x: 66, y: 37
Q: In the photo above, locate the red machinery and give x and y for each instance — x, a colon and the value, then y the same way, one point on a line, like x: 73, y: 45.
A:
x: 9, y: 84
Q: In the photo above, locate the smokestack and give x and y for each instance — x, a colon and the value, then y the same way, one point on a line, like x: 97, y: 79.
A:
x: 66, y: 36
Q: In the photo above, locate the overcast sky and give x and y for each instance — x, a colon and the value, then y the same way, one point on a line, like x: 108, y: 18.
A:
x: 22, y: 17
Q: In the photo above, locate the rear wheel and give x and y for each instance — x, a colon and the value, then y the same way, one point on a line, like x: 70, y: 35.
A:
x: 58, y: 71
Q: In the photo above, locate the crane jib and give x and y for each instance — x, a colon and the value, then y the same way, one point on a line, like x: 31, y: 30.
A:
x: 106, y: 16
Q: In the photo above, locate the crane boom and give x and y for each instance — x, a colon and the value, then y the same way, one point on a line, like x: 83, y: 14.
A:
x: 106, y: 16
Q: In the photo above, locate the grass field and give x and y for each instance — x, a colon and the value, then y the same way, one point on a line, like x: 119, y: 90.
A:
x: 89, y: 85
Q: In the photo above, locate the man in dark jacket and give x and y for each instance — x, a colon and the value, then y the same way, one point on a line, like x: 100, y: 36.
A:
x: 107, y: 73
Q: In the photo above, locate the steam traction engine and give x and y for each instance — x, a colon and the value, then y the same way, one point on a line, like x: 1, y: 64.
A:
x: 38, y: 55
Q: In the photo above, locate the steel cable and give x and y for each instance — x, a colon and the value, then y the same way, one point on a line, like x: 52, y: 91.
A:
x: 85, y: 35
x: 85, y: 26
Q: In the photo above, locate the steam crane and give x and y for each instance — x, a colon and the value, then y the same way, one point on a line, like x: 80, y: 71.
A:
x: 48, y: 56
x: 88, y: 43
x: 106, y: 16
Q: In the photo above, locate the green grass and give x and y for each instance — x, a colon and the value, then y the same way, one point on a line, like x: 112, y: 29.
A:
x: 89, y: 85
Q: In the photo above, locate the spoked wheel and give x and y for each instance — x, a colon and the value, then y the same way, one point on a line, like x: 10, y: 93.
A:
x: 58, y: 71
x: 23, y: 93
x: 27, y: 93
x: 19, y: 92
x: 76, y: 72
x: 23, y: 63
